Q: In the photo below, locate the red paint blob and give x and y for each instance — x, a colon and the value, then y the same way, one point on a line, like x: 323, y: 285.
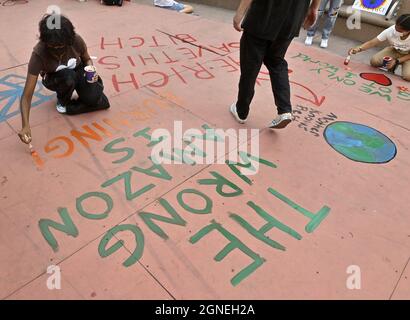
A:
x: 378, y: 78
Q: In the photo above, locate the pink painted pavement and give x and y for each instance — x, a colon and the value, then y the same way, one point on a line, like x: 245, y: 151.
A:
x: 253, y: 238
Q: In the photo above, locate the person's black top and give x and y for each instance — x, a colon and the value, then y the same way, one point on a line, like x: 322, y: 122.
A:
x: 276, y: 19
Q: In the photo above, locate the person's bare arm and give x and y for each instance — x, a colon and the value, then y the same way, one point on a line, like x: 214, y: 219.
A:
x: 86, y: 58
x: 240, y: 14
x: 404, y: 58
x: 312, y: 14
x: 25, y: 105
x: 366, y: 46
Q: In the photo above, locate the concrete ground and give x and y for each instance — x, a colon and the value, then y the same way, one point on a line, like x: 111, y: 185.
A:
x: 316, y: 211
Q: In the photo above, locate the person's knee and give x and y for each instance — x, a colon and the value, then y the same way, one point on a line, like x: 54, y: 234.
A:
x: 69, y: 82
x: 406, y: 76
x: 276, y: 64
x: 69, y: 77
x: 376, y: 62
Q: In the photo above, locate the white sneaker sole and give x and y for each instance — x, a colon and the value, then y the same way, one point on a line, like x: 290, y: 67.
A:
x: 281, y: 125
x: 61, y: 109
x: 232, y: 109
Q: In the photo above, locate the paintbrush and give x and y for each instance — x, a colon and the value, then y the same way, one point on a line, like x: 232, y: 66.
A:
x: 347, y: 60
x: 30, y: 146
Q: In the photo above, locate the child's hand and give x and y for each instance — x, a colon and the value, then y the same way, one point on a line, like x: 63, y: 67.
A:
x: 355, y: 50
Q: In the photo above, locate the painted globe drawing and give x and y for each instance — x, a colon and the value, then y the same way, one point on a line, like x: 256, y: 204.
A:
x: 360, y: 143
x: 373, y: 4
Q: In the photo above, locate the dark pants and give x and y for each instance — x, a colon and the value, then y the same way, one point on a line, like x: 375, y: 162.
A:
x: 255, y: 51
x: 90, y: 95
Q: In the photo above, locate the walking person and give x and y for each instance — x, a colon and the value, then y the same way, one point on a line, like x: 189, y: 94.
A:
x: 268, y: 29
x: 331, y: 17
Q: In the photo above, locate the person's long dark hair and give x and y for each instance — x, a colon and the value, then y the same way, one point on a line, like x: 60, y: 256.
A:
x: 404, y: 22
x: 53, y: 34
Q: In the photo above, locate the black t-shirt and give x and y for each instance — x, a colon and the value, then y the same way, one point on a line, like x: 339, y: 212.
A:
x: 276, y: 19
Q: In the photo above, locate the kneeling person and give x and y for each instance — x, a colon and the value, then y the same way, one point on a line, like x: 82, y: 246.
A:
x: 398, y: 37
x: 60, y: 58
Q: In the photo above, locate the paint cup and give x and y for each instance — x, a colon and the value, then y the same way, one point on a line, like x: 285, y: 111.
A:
x: 386, y: 61
x: 90, y: 72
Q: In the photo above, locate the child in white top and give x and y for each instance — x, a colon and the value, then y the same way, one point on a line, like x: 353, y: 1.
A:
x: 398, y: 37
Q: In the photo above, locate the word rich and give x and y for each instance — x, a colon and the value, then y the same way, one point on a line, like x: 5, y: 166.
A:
x: 190, y: 200
x: 168, y: 61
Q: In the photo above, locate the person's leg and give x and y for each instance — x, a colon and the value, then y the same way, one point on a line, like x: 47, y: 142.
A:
x: 406, y: 71
x: 174, y: 5
x: 313, y: 29
x: 252, y: 52
x: 377, y: 60
x: 331, y: 18
x: 90, y: 95
x: 63, y: 83
x: 279, y: 74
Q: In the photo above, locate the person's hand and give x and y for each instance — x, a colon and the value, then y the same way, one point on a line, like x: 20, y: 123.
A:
x: 391, y: 64
x: 355, y: 50
x: 311, y: 18
x: 237, y: 21
x: 25, y: 135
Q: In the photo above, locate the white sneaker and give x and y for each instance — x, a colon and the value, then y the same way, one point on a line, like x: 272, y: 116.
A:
x: 324, y: 43
x: 281, y: 121
x: 309, y: 41
x: 235, y: 114
x: 60, y: 108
